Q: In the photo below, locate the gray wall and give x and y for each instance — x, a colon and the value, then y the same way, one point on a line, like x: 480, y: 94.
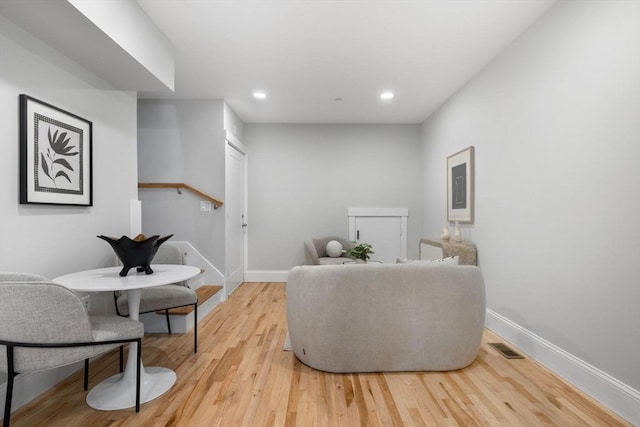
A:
x: 232, y: 123
x: 303, y: 178
x: 183, y: 141
x: 555, y: 123
x: 53, y: 240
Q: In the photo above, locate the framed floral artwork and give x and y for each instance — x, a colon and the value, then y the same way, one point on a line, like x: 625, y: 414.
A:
x: 460, y: 186
x: 55, y: 155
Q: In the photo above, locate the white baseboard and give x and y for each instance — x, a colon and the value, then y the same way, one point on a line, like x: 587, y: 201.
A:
x: 610, y: 392
x: 27, y: 387
x: 266, y: 275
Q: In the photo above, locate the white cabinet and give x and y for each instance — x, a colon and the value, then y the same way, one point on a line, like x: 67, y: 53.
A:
x: 385, y: 229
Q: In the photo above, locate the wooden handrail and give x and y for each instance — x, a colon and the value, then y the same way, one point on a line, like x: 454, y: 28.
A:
x: 178, y: 185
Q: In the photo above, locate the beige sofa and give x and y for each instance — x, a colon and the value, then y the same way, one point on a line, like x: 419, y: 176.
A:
x: 386, y: 317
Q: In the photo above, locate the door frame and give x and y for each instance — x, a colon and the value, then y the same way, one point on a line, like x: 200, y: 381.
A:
x: 233, y: 143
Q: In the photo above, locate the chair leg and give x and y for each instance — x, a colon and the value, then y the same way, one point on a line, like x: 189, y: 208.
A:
x: 86, y: 374
x: 166, y: 312
x: 7, y: 402
x: 10, y: 377
x: 139, y: 361
x: 121, y: 358
x: 195, y: 328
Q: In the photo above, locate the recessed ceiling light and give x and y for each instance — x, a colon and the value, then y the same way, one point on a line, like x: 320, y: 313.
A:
x: 259, y: 94
x: 386, y: 95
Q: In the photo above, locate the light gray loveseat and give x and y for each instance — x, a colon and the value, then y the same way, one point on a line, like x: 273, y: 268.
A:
x: 315, y: 251
x: 386, y: 317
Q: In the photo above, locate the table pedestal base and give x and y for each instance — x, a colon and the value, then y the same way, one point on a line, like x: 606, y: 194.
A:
x: 119, y: 391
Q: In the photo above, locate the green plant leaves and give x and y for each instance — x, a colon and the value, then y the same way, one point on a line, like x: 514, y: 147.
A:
x: 361, y: 251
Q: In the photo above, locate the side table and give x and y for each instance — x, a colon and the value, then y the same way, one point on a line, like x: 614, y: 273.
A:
x: 466, y: 250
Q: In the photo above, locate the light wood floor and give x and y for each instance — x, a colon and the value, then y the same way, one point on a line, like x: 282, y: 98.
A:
x: 242, y: 377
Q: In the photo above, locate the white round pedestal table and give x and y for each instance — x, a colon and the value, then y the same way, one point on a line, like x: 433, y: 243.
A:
x: 119, y: 391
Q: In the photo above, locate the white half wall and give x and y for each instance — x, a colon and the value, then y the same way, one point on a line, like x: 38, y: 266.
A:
x: 555, y: 125
x: 303, y: 178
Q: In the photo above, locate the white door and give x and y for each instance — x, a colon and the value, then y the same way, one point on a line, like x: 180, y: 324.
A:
x: 385, y: 229
x: 236, y: 221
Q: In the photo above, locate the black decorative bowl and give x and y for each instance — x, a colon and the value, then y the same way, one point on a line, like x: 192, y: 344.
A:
x: 138, y: 252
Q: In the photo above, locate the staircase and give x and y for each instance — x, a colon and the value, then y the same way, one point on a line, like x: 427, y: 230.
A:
x: 183, y: 318
x: 209, y: 296
x: 204, y: 293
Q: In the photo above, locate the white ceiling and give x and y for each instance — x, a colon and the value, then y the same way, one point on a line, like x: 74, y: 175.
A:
x: 306, y: 53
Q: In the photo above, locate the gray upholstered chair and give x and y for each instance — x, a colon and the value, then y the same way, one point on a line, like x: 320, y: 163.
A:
x: 44, y: 325
x: 315, y: 250
x: 165, y: 297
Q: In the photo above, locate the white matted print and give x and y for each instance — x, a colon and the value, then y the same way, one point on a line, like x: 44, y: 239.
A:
x: 460, y: 186
x: 55, y: 155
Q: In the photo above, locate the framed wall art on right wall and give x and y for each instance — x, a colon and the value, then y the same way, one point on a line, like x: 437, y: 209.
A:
x: 460, y: 186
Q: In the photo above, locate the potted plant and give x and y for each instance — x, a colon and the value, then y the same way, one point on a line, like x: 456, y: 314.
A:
x: 360, y: 252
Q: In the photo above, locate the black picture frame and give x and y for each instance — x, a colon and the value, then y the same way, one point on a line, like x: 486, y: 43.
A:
x: 56, y: 155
